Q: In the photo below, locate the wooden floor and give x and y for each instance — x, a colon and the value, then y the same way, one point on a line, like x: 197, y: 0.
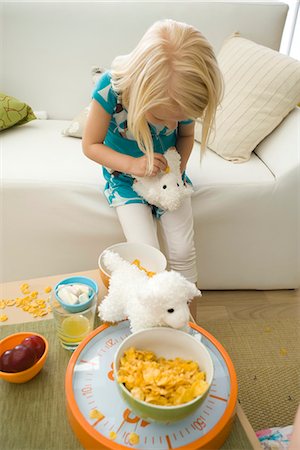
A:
x: 214, y: 305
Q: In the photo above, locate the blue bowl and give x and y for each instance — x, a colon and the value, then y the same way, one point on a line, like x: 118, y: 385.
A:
x: 77, y: 280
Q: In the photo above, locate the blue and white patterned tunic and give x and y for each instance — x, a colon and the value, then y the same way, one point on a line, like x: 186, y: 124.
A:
x: 118, y: 189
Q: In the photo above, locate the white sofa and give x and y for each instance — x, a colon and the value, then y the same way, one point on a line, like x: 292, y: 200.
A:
x: 55, y: 218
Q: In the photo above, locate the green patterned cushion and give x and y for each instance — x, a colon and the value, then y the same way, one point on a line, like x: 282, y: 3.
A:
x: 13, y: 111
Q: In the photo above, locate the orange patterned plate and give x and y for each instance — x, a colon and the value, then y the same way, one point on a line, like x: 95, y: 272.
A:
x: 101, y: 420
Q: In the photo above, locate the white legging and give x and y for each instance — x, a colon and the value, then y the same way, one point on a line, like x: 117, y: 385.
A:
x: 177, y: 232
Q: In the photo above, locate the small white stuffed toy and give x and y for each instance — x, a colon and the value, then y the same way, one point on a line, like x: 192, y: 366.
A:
x: 161, y: 300
x: 165, y: 190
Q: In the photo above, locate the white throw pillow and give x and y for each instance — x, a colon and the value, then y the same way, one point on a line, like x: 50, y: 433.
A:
x: 261, y: 87
x: 76, y: 127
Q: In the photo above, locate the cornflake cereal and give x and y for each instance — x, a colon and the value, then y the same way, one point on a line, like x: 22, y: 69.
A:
x: 137, y: 262
x: 37, y: 307
x: 96, y: 414
x: 166, y: 382
x: 113, y: 435
x: 134, y: 438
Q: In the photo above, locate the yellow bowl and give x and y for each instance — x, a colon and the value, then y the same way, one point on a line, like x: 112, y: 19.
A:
x: 150, y: 258
x: 168, y: 343
x: 22, y: 377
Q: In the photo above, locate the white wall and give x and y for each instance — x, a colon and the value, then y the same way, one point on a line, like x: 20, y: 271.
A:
x: 295, y: 45
x: 1, y: 44
x: 50, y: 47
x: 290, y: 44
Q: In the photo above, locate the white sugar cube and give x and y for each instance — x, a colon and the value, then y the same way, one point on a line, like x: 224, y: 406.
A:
x: 61, y: 286
x: 83, y: 298
x: 84, y: 289
x: 67, y: 297
x: 75, y: 289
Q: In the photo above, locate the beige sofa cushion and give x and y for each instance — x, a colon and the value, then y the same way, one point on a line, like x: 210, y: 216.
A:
x: 261, y: 87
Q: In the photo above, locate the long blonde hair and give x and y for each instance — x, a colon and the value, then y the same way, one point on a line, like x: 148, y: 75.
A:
x: 172, y: 65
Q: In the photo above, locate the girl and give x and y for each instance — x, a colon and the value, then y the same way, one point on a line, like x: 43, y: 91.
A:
x: 147, y: 103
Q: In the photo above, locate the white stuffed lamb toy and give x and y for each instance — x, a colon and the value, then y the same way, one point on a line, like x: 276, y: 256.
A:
x: 165, y: 190
x: 161, y: 300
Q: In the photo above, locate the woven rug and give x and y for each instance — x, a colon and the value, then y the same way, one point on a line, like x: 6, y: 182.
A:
x: 34, y: 413
x: 30, y: 405
x: 266, y: 356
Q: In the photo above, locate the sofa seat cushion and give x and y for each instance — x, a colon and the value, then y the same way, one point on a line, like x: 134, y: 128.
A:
x: 216, y: 171
x: 56, y: 218
x: 37, y: 152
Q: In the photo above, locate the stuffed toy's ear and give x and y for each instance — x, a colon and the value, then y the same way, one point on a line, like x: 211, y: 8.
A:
x: 173, y: 158
x: 149, y: 301
x: 193, y: 290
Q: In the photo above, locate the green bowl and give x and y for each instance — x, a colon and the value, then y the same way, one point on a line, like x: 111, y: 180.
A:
x: 168, y: 343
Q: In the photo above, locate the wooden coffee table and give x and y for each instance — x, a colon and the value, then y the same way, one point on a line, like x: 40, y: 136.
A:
x: 242, y: 435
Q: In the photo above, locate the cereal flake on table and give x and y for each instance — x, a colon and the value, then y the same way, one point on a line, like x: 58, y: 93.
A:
x: 37, y: 307
x: 283, y: 351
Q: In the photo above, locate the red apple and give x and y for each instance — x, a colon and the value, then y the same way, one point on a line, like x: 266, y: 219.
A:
x: 36, y: 344
x: 21, y: 358
x: 4, y: 361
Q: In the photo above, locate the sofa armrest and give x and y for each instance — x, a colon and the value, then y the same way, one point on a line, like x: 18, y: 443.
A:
x: 280, y: 151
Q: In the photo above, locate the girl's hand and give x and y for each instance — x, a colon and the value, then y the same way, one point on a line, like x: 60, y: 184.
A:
x: 139, y: 165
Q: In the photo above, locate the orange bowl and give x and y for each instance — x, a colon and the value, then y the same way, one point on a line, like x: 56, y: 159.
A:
x: 150, y: 257
x: 21, y: 377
